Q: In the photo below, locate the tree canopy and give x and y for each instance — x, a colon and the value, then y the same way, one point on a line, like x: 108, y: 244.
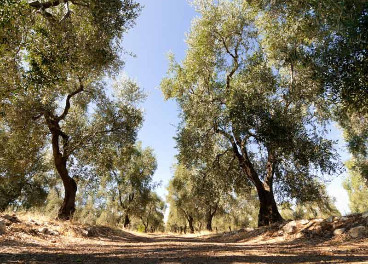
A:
x: 262, y: 109
x: 59, y: 51
x: 258, y: 89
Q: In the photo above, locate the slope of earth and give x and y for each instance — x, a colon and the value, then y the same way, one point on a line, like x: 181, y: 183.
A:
x: 28, y: 241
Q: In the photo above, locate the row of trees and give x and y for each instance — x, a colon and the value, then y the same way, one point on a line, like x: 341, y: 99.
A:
x: 259, y: 85
x: 201, y: 202
x: 257, y: 89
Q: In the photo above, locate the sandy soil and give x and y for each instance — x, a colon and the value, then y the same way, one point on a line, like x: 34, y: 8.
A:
x: 131, y: 248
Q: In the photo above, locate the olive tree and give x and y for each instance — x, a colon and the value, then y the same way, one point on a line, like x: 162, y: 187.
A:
x: 54, y: 55
x: 227, y: 87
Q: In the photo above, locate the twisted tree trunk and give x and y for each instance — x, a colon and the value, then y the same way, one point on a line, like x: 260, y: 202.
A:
x: 61, y: 156
x: 209, y: 216
x: 126, y: 221
x: 268, y: 211
x: 190, y: 223
x: 67, y: 208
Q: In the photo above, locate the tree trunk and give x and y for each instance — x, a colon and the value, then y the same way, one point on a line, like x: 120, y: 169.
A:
x: 126, y: 221
x: 190, y: 222
x: 67, y: 209
x: 209, y: 217
x: 268, y: 211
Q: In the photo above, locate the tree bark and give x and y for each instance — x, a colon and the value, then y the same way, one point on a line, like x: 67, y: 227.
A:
x: 268, y: 211
x: 190, y: 223
x: 210, y: 214
x: 209, y: 217
x: 61, y: 156
x: 67, y: 209
x: 126, y: 221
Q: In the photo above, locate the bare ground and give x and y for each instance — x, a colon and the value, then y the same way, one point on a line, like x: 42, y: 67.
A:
x: 24, y: 245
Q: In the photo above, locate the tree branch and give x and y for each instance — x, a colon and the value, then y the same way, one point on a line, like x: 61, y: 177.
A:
x: 67, y: 104
x: 270, y: 167
x: 37, y: 117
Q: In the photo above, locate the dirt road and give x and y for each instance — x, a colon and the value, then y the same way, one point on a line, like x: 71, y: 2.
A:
x: 131, y: 248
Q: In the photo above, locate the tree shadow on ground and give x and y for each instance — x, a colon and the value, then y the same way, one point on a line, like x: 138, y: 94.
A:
x: 165, y: 251
x: 107, y: 258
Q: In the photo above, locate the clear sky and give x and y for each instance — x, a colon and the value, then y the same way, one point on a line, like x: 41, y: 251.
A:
x: 160, y: 29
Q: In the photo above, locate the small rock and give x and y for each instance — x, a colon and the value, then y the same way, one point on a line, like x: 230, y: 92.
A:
x: 86, y: 232
x: 339, y: 231
x: 249, y: 229
x: 2, y: 227
x: 344, y: 218
x: 365, y: 215
x: 43, y: 230
x: 357, y: 232
x: 330, y: 219
x: 290, y: 227
x: 54, y: 233
x: 11, y: 218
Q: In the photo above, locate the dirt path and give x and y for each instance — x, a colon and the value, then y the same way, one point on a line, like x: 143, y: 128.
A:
x: 176, y: 249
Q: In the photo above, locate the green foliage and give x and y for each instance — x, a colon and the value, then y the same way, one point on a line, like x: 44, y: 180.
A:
x: 330, y: 40
x: 53, y: 202
x: 323, y: 208
x: 355, y: 127
x: 126, y: 179
x: 259, y: 83
x: 175, y: 222
x: 262, y: 107
x: 22, y: 169
x: 241, y: 211
x: 61, y: 50
x: 151, y: 213
x: 182, y: 201
x: 356, y: 186
x: 123, y: 189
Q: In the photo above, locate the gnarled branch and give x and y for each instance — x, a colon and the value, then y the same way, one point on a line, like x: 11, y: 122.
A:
x: 67, y: 104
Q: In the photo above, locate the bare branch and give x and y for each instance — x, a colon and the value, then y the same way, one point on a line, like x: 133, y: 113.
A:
x: 234, y: 55
x: 37, y: 117
x: 67, y: 104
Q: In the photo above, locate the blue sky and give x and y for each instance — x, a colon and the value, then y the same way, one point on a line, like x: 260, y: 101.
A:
x: 161, y: 29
